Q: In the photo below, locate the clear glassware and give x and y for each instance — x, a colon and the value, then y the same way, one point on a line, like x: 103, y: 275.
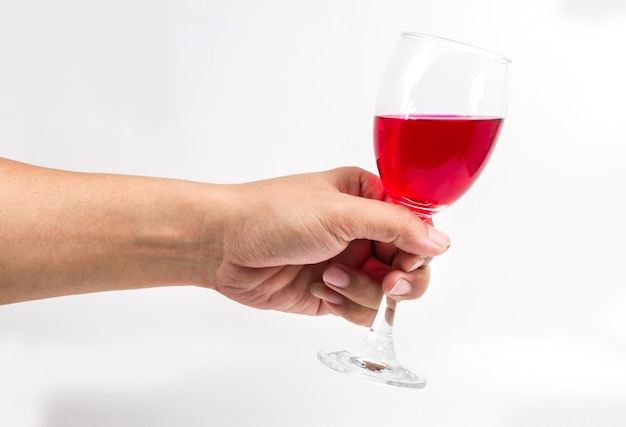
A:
x: 438, y: 114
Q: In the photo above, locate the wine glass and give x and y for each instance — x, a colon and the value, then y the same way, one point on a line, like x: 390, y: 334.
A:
x: 439, y: 110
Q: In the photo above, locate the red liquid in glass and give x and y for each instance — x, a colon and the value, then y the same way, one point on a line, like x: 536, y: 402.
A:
x: 428, y: 162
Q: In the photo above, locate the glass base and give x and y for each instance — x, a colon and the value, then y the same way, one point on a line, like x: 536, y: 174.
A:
x: 373, y: 369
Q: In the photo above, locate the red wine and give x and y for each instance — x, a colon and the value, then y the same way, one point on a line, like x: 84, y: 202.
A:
x: 428, y: 162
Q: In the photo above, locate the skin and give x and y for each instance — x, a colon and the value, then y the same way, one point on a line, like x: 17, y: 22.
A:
x: 313, y: 244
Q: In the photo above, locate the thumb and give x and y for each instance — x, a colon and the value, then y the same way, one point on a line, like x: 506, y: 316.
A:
x: 386, y: 222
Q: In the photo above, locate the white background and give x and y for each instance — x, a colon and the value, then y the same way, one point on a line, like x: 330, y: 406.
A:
x: 524, y: 323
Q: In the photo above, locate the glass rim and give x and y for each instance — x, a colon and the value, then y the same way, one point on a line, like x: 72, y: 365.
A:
x: 461, y: 46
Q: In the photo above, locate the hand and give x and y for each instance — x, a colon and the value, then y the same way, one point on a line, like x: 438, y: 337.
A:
x: 322, y: 243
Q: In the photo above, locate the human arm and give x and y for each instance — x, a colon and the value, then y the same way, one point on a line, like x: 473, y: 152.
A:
x: 266, y: 244
x: 64, y: 233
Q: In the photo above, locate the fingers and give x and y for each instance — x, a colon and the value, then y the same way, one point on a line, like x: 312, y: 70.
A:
x: 338, y: 305
x: 358, y: 182
x: 408, y: 276
x: 402, y: 247
x: 401, y: 285
x: 355, y: 295
x: 349, y: 293
x: 409, y: 262
x: 354, y: 285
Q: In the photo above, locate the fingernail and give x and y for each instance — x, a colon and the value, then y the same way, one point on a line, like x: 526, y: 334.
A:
x: 418, y: 264
x: 439, y: 238
x: 402, y: 287
x: 337, y: 277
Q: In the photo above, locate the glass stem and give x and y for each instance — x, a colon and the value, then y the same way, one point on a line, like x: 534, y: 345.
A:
x: 379, y: 338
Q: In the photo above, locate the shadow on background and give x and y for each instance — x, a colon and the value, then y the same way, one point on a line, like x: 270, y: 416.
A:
x: 191, y: 403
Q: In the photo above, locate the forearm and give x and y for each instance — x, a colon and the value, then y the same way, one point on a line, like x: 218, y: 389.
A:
x: 66, y: 233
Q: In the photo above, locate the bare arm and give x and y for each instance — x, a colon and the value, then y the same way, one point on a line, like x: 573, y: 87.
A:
x: 65, y: 233
x: 312, y: 244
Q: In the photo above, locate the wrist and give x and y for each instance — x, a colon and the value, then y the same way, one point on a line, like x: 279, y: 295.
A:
x: 183, y: 236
